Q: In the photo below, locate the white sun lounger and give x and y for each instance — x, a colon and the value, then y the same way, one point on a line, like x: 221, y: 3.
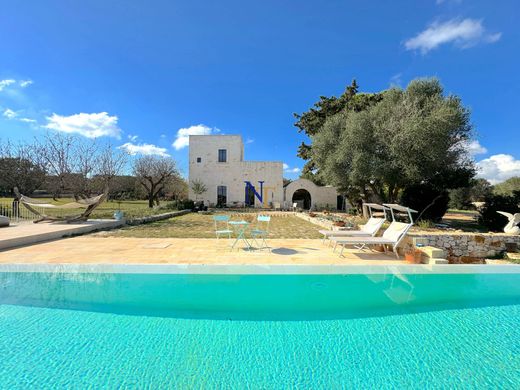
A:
x: 392, y: 236
x: 369, y: 229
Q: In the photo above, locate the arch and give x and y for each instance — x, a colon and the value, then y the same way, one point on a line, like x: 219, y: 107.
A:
x: 325, y: 196
x: 303, y: 198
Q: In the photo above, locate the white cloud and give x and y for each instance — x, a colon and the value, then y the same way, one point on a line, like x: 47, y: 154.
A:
x: 88, y: 125
x: 13, y: 115
x: 249, y: 141
x: 9, y: 114
x: 183, y: 135
x: 145, y: 149
x: 396, y: 80
x: 462, y: 33
x: 132, y: 138
x: 498, y: 168
x: 25, y: 83
x: 288, y: 169
x: 6, y: 83
x: 475, y: 148
x: 27, y: 120
x: 448, y: 1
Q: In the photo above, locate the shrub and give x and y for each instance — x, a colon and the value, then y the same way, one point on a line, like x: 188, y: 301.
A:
x: 425, y: 198
x: 460, y: 198
x: 181, y: 204
x: 488, y: 214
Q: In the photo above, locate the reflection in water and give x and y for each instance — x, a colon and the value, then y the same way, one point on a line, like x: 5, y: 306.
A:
x: 255, y: 296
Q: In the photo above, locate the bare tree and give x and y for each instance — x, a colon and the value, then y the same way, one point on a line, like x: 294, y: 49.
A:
x: 154, y: 173
x: 56, y: 151
x: 198, y: 188
x: 178, y: 187
x: 20, y: 168
x: 111, y: 162
x: 85, y: 160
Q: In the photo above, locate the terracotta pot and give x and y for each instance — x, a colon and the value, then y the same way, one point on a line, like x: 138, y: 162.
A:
x: 409, y: 258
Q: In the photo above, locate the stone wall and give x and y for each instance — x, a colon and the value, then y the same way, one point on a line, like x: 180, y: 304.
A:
x: 157, y: 217
x: 464, y: 246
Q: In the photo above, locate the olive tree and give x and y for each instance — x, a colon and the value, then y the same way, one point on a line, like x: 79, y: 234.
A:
x: 154, y: 173
x: 411, y: 137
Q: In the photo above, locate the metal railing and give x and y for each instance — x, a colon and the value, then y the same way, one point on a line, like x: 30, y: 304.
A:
x: 16, y: 211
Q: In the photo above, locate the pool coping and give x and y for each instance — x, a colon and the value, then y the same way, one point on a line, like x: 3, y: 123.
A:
x: 263, y: 269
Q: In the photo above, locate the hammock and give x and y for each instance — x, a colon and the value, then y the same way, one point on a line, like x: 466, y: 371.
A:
x: 88, y: 205
x: 79, y: 204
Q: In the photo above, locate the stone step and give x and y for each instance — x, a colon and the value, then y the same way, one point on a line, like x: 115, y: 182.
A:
x: 513, y: 255
x: 437, y: 261
x: 432, y: 252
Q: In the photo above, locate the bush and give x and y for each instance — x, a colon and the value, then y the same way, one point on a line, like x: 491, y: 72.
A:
x: 460, y: 198
x: 488, y: 214
x: 181, y: 204
x: 419, y: 197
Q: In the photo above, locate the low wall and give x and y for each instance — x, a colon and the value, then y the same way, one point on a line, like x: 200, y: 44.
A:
x: 155, y: 218
x: 466, y: 247
x: 325, y: 223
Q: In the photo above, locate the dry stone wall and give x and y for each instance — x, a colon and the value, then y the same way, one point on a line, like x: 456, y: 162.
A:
x: 465, y: 247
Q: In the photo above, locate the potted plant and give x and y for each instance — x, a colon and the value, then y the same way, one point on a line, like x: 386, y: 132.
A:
x: 413, y: 255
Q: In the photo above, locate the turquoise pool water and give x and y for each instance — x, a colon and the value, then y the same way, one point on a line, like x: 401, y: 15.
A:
x: 259, y: 331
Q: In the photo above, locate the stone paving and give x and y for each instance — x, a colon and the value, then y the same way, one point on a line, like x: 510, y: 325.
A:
x: 119, y: 250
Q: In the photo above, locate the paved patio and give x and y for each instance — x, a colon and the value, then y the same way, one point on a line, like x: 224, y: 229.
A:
x: 115, y: 250
x: 28, y: 233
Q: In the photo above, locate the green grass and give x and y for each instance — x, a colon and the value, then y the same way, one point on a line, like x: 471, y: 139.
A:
x: 470, y: 212
x: 131, y: 208
x: 196, y: 225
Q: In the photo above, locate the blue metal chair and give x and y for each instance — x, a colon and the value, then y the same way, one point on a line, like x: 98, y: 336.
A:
x: 220, y: 221
x: 261, y: 231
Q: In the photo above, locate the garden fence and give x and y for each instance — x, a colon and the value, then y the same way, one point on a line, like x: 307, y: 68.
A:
x: 17, y: 212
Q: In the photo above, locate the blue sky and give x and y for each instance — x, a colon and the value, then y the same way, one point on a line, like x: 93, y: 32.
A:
x: 142, y: 72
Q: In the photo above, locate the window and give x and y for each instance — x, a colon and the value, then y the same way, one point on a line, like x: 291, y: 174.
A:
x: 222, y: 155
x: 199, y: 159
x: 221, y: 195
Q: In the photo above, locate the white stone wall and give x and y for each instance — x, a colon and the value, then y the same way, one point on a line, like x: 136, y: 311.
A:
x: 459, y: 245
x: 320, y: 196
x: 232, y: 173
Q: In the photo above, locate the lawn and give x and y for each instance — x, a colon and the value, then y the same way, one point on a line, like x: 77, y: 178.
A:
x: 196, y: 225
x: 131, y: 208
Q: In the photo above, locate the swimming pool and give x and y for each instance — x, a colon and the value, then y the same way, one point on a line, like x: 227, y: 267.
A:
x: 196, y: 327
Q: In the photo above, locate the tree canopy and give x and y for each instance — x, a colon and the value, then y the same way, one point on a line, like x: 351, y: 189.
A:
x: 155, y: 174
x: 507, y: 187
x: 390, y: 141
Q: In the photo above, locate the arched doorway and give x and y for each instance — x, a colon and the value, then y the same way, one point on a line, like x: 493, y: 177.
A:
x: 303, y: 198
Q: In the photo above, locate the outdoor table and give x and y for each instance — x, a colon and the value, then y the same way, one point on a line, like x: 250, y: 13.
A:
x: 240, y: 228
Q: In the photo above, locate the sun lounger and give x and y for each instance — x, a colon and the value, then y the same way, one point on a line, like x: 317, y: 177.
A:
x: 391, y: 237
x: 371, y: 228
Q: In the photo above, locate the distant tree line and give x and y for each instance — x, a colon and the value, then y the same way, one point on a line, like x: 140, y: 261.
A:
x: 59, y: 164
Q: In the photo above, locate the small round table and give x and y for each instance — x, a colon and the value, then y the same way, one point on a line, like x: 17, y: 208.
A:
x: 240, y: 228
